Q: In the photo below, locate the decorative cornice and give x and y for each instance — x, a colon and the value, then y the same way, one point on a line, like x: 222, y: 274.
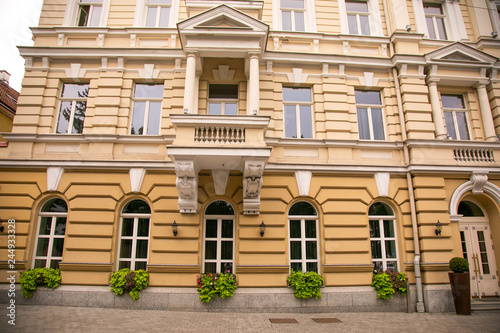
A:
x: 86, y: 267
x: 434, y: 267
x: 348, y: 268
x: 262, y: 269
x: 196, y: 269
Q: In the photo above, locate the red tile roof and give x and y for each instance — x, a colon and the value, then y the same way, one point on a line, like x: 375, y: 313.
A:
x: 8, y: 97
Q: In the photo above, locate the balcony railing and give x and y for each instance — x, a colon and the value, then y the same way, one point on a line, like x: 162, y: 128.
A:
x: 219, y: 134
x: 473, y: 155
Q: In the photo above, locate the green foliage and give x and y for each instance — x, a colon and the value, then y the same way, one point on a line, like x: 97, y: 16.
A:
x: 388, y: 283
x: 129, y: 281
x: 459, y: 265
x: 305, y: 285
x: 211, y: 284
x: 33, y: 278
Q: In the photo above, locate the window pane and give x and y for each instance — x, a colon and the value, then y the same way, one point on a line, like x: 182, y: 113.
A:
x: 440, y: 27
x: 312, y: 267
x: 219, y: 207
x: 45, y: 225
x: 138, y: 118
x: 286, y: 20
x: 154, y: 118
x: 378, y: 265
x: 79, y: 117
x: 210, y: 267
x: 462, y: 125
x: 141, y: 265
x: 60, y: 226
x: 214, y: 108
x: 367, y: 97
x: 64, y: 115
x: 297, y: 94
x: 302, y: 208
x: 148, y: 90
x: 378, y: 124
x: 54, y: 264
x: 164, y: 16
x: 295, y: 229
x: 376, y: 250
x: 39, y: 263
x: 151, y: 17
x: 430, y: 27
x: 392, y: 265
x: 365, y: 25
x: 124, y: 264
x: 356, y: 6
x: 211, y: 229
x: 389, y: 228
x: 299, y: 21
x: 290, y: 122
x: 230, y: 108
x: 137, y: 206
x: 380, y: 208
x: 227, y: 229
x: 295, y: 250
x: 468, y: 208
x: 452, y: 102
x: 225, y: 91
x: 450, y: 125
x: 55, y: 206
x: 127, y: 227
x: 96, y: 16
x: 226, y: 251
x: 296, y: 266
x: 353, y: 25
x: 159, y: 2
x: 374, y: 229
x: 143, y: 228
x: 434, y: 9
x: 42, y: 247
x: 126, y: 248
x: 364, y: 131
x: 210, y: 250
x: 305, y: 121
x: 390, y: 249
x: 57, y: 247
x: 311, y: 252
x: 83, y: 16
x: 310, y: 228
x: 141, y: 250
x: 292, y: 4
x: 226, y: 266
x: 75, y: 90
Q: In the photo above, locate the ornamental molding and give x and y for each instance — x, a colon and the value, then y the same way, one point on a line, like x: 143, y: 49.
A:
x: 478, y: 181
x: 252, y: 184
x: 187, y: 186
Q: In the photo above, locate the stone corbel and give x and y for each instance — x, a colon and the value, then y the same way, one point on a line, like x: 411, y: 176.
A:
x: 478, y: 182
x: 187, y: 186
x: 252, y: 184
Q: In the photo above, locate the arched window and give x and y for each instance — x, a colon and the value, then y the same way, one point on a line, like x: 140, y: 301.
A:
x: 469, y: 209
x: 50, y: 234
x: 218, y: 250
x: 134, y: 235
x: 383, y: 237
x: 303, y: 235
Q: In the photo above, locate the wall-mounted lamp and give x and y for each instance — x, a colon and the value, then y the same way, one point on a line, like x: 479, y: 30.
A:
x: 439, y: 227
x: 174, y: 228
x: 494, y: 34
x: 262, y: 229
x: 408, y: 27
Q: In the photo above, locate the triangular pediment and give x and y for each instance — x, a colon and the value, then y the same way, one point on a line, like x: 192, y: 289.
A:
x: 461, y: 53
x: 223, y: 22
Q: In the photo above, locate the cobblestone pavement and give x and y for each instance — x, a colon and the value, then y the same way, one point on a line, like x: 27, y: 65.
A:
x: 34, y: 318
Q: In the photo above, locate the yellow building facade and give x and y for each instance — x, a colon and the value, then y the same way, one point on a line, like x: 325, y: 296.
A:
x: 344, y: 130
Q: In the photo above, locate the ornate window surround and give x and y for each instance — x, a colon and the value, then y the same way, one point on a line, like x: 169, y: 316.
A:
x: 309, y: 16
x: 71, y: 14
x: 141, y: 12
x: 374, y: 18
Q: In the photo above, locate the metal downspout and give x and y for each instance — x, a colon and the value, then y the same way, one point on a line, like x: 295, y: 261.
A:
x: 416, y: 238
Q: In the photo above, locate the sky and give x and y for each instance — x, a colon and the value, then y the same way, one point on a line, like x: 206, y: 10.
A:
x: 16, y: 16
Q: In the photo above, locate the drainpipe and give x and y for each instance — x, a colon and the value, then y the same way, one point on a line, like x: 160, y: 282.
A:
x: 413, y: 210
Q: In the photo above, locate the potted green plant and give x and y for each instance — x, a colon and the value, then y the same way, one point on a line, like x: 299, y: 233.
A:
x: 460, y: 285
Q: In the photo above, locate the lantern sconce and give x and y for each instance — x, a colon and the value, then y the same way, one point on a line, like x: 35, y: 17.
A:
x: 262, y: 229
x: 1, y: 226
x: 439, y: 227
x: 174, y: 228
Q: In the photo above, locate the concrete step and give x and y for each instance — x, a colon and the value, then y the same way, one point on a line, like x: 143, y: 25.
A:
x: 487, y: 304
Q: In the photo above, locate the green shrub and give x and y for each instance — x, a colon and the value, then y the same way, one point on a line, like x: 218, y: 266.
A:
x: 388, y: 283
x: 129, y: 281
x: 32, y: 278
x: 459, y: 265
x: 211, y: 284
x: 305, y: 285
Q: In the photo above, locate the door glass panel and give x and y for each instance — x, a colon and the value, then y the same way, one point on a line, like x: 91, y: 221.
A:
x: 295, y: 250
x: 376, y: 250
x: 57, y: 247
x: 226, y: 250
x: 45, y: 225
x: 388, y: 228
x: 227, y: 229
x: 211, y: 229
x: 464, y: 245
x: 484, y: 256
x: 126, y: 248
x: 311, y: 250
x: 128, y: 227
x: 295, y: 231
x: 141, y: 249
x: 143, y: 228
x: 211, y: 250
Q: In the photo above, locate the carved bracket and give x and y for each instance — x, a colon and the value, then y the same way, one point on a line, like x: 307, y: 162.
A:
x: 187, y: 186
x: 252, y: 184
x: 478, y: 182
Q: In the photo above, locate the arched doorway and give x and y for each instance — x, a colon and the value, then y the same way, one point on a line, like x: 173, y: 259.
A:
x: 477, y: 248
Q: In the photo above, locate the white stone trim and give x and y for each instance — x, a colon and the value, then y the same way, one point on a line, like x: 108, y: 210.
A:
x: 488, y: 187
x: 382, y: 179
x: 303, y: 179
x: 136, y: 178
x: 71, y: 13
x: 220, y: 178
x: 54, y: 175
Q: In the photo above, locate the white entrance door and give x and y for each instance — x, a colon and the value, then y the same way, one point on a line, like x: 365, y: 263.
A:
x: 478, y: 249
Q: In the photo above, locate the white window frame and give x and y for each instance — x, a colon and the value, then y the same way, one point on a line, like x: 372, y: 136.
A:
x: 374, y: 18
x: 71, y: 14
x: 370, y: 120
x: 309, y: 16
x: 297, y: 114
x: 303, y: 239
x: 380, y: 219
x: 134, y: 238
x: 454, y: 111
x: 494, y: 10
x: 358, y: 19
x: 219, y: 239
x: 223, y: 101
x: 141, y: 14
x: 435, y: 18
x: 51, y: 236
x: 73, y: 101
x: 453, y: 22
x: 148, y: 100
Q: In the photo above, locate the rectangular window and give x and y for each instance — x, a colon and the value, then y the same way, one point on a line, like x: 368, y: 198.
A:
x: 455, y: 116
x: 297, y: 108
x: 223, y: 99
x: 158, y: 13
x: 147, y: 109
x: 293, y: 15
x: 89, y: 13
x: 370, y: 115
x: 72, y: 108
x: 358, y: 17
x: 434, y: 18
